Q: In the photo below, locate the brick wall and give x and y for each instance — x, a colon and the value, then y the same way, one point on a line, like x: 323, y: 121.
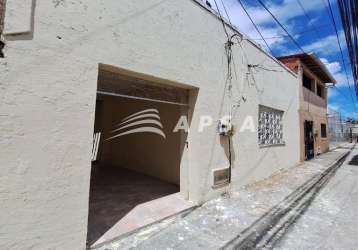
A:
x: 291, y: 63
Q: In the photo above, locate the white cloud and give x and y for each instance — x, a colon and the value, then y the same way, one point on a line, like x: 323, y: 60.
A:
x: 290, y: 9
x: 334, y: 107
x: 333, y: 67
x: 313, y: 21
x: 262, y: 19
x: 338, y: 73
x: 327, y: 45
x: 324, y: 46
x: 286, y: 11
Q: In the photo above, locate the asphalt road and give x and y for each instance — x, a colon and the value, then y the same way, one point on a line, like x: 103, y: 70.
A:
x: 331, y: 221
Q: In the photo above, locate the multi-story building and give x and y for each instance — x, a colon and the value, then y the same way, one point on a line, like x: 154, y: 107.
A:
x: 314, y: 77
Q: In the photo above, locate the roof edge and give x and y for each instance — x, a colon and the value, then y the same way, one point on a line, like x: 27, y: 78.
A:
x: 244, y: 36
x: 323, y: 66
x: 316, y: 60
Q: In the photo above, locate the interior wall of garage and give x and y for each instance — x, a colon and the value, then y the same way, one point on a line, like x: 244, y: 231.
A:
x: 146, y: 153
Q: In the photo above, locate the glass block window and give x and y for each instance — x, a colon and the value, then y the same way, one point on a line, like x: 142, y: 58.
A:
x: 270, y: 127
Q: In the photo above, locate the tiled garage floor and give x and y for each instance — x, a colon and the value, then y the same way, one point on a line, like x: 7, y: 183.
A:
x: 122, y: 200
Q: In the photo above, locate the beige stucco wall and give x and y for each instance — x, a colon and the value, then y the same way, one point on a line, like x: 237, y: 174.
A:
x: 311, y: 112
x: 145, y: 153
x: 48, y: 91
x: 322, y: 143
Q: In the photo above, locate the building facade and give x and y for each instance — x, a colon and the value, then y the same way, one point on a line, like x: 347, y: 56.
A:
x: 314, y: 77
x: 339, y: 129
x: 74, y: 69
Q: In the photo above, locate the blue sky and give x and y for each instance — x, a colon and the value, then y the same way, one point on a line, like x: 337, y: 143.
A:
x: 314, y: 32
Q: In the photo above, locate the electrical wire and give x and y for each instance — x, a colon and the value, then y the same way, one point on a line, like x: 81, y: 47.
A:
x: 222, y: 20
x: 341, y: 52
x: 308, y: 18
x: 317, y: 37
x: 256, y: 28
x: 227, y: 14
x: 291, y: 37
x: 281, y: 25
x: 297, y: 33
x: 349, y: 17
x: 228, y: 52
x: 339, y: 91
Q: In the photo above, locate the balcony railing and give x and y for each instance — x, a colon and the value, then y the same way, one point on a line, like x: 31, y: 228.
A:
x: 313, y: 98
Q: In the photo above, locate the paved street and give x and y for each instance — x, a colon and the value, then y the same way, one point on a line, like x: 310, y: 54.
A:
x: 229, y: 221
x: 331, y: 220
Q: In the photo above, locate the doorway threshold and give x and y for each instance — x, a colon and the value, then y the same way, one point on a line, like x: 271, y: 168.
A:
x: 145, y: 214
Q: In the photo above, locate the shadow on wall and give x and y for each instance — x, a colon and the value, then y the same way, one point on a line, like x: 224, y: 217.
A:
x: 228, y: 145
x: 115, y: 192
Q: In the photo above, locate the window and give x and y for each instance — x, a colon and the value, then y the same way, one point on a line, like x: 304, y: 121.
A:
x: 307, y: 82
x: 320, y: 91
x: 270, y: 127
x: 323, y: 131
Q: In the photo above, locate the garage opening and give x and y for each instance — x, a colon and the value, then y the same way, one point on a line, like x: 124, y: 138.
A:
x: 137, y: 160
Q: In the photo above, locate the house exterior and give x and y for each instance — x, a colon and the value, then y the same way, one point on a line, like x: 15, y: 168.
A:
x: 314, y: 77
x: 62, y: 59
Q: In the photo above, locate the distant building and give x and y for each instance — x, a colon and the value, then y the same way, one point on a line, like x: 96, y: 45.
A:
x: 351, y: 129
x: 314, y: 76
x: 339, y: 130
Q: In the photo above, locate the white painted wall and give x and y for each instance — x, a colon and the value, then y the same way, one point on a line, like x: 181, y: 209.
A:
x: 48, y: 90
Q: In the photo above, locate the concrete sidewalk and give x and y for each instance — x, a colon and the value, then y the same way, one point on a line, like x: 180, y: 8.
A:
x: 335, y: 145
x: 218, y: 222
x: 331, y: 220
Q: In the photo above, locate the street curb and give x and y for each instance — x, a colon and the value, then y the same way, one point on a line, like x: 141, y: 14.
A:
x: 270, y: 227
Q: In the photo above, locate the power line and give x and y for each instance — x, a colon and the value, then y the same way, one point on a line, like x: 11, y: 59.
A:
x: 297, y: 33
x: 340, y: 47
x: 222, y: 20
x: 227, y: 14
x: 317, y: 36
x: 340, y: 92
x: 289, y: 35
x: 296, y: 43
x: 253, y: 23
x: 349, y: 13
x: 281, y: 25
x: 308, y: 18
x: 229, y: 44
